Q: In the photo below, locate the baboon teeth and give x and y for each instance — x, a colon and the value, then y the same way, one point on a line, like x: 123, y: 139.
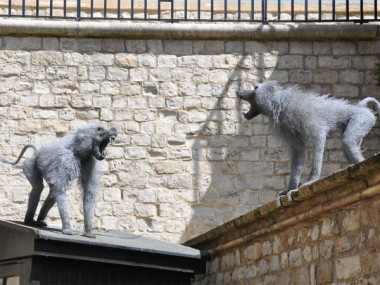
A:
x: 104, y: 153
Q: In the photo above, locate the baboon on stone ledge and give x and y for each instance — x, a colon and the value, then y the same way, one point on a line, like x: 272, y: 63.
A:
x: 299, y: 116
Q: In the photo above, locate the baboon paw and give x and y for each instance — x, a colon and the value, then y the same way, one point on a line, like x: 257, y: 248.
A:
x: 67, y: 232
x: 41, y: 224
x: 278, y: 201
x: 34, y: 223
x: 289, y: 195
x: 89, y: 235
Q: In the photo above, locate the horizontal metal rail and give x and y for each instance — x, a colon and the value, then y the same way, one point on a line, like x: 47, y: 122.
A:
x: 257, y: 11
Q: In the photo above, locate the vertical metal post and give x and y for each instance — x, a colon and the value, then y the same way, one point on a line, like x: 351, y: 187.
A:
x: 279, y: 10
x: 239, y: 10
x: 64, y: 8
x: 252, y: 10
x: 361, y: 11
x: 159, y: 9
x: 172, y: 10
x: 292, y: 10
x: 51, y: 9
x: 132, y: 8
x: 320, y: 10
x: 105, y: 9
x: 375, y: 8
x: 145, y: 9
x: 199, y: 10
x: 212, y: 10
x: 78, y: 10
x: 10, y: 8
x: 264, y: 12
x: 37, y: 8
x: 23, y: 8
x: 92, y: 9
x: 306, y: 10
x: 118, y: 9
x: 333, y: 10
x: 347, y: 10
x: 185, y: 9
x: 225, y: 10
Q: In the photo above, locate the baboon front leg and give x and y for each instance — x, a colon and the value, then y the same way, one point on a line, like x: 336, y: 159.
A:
x: 63, y: 208
x: 318, y: 148
x: 298, y: 161
x: 88, y: 211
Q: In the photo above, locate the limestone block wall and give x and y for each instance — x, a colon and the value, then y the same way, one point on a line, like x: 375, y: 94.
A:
x: 185, y: 160
x: 330, y: 235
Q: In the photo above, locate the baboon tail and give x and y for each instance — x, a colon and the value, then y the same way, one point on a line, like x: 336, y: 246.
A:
x: 370, y: 100
x: 20, y: 156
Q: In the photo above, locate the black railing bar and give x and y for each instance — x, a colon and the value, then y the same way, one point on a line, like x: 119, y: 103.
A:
x: 145, y: 9
x: 212, y: 10
x: 9, y: 8
x: 361, y: 10
x: 375, y: 8
x: 159, y: 9
x: 132, y: 8
x: 320, y: 10
x: 239, y: 10
x: 279, y: 10
x: 92, y: 9
x: 333, y: 10
x: 347, y: 10
x: 105, y: 9
x: 225, y: 10
x: 264, y: 12
x: 118, y: 9
x: 253, y: 10
x: 78, y: 10
x: 199, y: 10
x: 171, y: 10
x: 37, y: 8
x: 51, y: 9
x: 64, y: 8
x: 292, y: 10
x: 23, y: 8
x: 306, y: 10
x: 185, y: 10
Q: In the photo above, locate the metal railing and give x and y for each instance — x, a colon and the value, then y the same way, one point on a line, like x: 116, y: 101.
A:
x: 259, y: 11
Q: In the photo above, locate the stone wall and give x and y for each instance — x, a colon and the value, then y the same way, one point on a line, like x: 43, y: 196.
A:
x: 185, y: 160
x: 330, y: 235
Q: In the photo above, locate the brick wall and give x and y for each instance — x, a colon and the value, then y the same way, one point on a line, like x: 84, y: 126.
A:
x: 185, y: 160
x: 329, y: 236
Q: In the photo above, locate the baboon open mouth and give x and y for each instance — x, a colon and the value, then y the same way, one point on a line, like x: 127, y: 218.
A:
x: 99, y: 147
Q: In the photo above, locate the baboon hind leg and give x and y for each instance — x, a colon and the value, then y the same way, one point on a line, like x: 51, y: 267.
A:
x: 34, y: 176
x: 352, y: 137
x: 63, y: 208
x: 298, y: 161
x: 48, y: 204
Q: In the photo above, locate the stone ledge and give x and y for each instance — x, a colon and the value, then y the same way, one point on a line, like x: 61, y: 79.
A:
x: 357, y: 182
x: 196, y: 31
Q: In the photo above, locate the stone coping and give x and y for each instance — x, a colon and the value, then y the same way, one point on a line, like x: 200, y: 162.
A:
x: 350, y: 185
x: 182, y: 31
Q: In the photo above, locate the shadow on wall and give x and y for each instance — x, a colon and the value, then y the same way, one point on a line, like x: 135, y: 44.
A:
x: 229, y: 176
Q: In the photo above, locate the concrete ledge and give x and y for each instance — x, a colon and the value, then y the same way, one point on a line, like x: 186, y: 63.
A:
x: 201, y: 31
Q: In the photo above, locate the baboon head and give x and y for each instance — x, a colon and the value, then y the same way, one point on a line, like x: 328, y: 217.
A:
x: 93, y: 140
x: 250, y: 97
